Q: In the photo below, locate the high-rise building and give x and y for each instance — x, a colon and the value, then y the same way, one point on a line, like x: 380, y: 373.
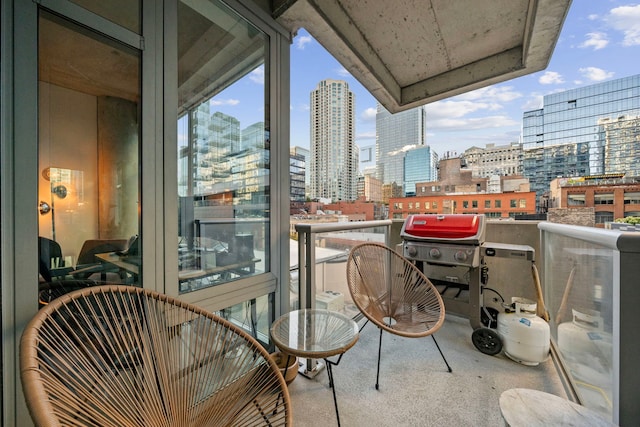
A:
x: 204, y: 165
x: 494, y: 159
x: 369, y: 187
x: 334, y: 155
x: 420, y: 165
x: 367, y: 157
x: 304, y: 155
x: 395, y: 133
x: 297, y: 172
x: 591, y: 130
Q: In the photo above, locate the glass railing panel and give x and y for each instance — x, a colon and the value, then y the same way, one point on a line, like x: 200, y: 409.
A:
x: 331, y: 250
x: 590, y: 281
x: 579, y: 280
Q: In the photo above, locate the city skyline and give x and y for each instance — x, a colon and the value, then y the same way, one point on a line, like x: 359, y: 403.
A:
x: 595, y: 45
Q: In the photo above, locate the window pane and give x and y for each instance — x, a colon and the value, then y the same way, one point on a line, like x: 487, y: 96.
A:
x: 603, y: 217
x: 223, y: 146
x: 89, y: 98
x: 631, y: 198
x: 603, y: 198
x: 575, y: 199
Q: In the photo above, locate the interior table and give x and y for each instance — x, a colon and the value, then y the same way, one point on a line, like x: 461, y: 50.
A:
x: 316, y: 334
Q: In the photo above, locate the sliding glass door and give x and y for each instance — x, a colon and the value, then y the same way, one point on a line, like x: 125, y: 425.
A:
x: 88, y: 156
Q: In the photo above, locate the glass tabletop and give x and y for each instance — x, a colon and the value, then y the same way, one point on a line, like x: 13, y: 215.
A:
x: 314, y: 333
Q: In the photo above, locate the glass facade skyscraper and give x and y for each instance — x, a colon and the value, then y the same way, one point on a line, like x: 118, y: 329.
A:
x: 591, y: 130
x: 420, y: 165
x: 395, y: 133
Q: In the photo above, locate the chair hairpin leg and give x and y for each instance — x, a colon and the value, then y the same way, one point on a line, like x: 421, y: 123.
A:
x: 329, y: 365
x: 363, y: 325
x: 379, y: 352
x: 443, y: 358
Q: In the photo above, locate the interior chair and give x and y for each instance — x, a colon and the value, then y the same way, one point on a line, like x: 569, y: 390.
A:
x: 89, y: 267
x: 393, y: 294
x: 50, y: 252
x: 117, y: 355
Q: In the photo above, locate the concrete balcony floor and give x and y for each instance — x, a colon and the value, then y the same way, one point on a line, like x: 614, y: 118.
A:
x: 415, y: 387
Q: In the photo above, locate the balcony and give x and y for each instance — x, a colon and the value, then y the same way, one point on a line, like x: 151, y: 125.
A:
x: 587, y: 276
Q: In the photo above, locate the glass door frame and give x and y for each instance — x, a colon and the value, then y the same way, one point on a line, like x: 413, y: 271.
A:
x: 158, y: 179
x: 228, y: 294
x: 20, y: 169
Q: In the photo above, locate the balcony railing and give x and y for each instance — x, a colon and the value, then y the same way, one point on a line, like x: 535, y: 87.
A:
x: 322, y: 255
x: 336, y: 239
x: 591, y: 290
x: 592, y: 294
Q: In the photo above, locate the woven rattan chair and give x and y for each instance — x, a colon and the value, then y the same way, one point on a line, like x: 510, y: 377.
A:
x: 123, y: 356
x: 394, y: 294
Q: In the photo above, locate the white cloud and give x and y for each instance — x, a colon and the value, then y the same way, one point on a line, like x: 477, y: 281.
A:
x: 365, y: 135
x: 257, y: 75
x: 343, y: 72
x: 456, y: 109
x: 301, y: 41
x: 595, y: 74
x: 368, y: 114
x: 593, y: 17
x: 595, y: 40
x: 217, y: 102
x: 551, y: 77
x: 491, y: 93
x: 627, y: 20
x: 455, y: 114
x: 456, y: 124
x: 535, y: 102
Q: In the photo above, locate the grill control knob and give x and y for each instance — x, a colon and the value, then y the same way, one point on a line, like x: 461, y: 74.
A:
x: 412, y: 251
x: 434, y: 253
x: 460, y: 256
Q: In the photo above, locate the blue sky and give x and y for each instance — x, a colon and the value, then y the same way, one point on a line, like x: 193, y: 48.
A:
x: 600, y: 41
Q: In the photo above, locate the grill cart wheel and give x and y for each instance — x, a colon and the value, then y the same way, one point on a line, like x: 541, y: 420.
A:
x: 487, y: 341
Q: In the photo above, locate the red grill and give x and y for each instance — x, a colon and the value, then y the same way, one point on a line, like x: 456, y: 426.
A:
x: 444, y: 239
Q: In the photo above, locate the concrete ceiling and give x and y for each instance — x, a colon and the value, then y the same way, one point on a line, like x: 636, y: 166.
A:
x: 412, y: 52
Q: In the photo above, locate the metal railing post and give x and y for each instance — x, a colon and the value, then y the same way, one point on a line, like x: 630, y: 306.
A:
x: 307, y: 269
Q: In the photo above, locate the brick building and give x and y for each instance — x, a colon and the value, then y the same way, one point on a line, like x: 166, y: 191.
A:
x: 610, y: 196
x: 457, y: 191
x: 452, y: 178
x: 493, y: 205
x: 358, y: 210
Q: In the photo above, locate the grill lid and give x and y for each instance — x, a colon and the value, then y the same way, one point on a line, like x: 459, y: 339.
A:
x: 465, y: 228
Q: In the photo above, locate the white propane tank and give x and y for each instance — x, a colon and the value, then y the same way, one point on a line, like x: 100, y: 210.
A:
x: 587, y: 347
x: 525, y: 335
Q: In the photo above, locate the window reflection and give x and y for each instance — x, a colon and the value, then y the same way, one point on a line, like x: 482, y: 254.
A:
x: 223, y: 146
x: 121, y: 12
x: 88, y: 124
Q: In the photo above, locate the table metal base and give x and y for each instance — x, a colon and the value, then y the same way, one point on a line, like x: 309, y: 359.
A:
x: 315, y: 367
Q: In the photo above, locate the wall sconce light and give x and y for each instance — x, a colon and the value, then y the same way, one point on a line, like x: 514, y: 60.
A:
x: 60, y: 191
